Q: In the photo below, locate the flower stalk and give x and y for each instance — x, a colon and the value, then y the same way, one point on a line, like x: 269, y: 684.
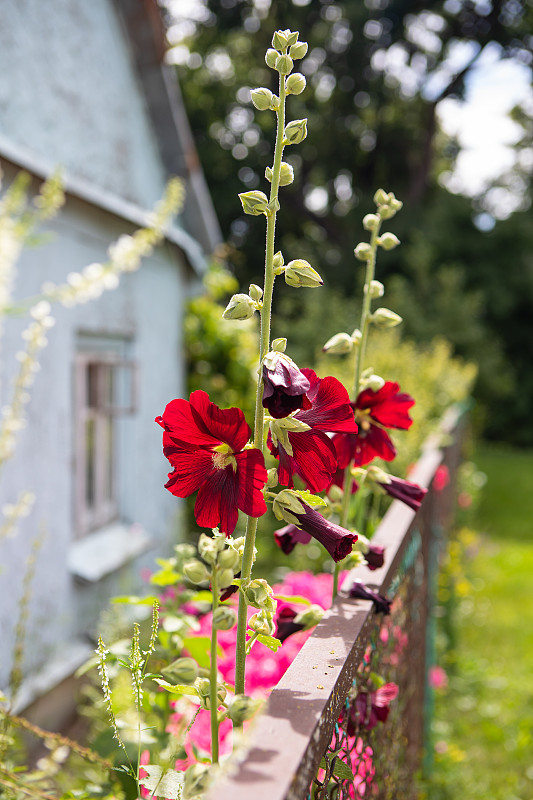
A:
x: 213, y: 673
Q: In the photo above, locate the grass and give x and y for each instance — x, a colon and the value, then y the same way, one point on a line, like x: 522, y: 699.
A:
x: 483, y: 727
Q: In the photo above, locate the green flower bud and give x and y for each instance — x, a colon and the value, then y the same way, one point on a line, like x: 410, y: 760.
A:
x: 225, y: 578
x: 224, y: 618
x: 298, y: 50
x: 243, y: 708
x: 184, y: 551
x: 196, y: 781
x: 262, y: 623
x: 376, y: 289
x: 183, y: 670
x: 286, y: 504
x: 272, y: 479
x: 208, y: 548
x: 280, y: 40
x: 279, y: 345
x: 278, y: 260
x: 335, y: 493
x: 370, y: 222
x: 385, y: 318
x: 300, y: 273
x: 195, y: 571
x: 255, y: 292
x: 388, y: 241
x: 296, y: 131
x: 286, y: 174
x: 261, y: 98
x: 254, y: 203
x: 375, y: 382
x: 271, y: 57
x: 381, y: 197
x: 339, y: 344
x: 274, y: 103
x: 292, y: 37
x: 257, y: 593
x: 284, y: 65
x: 310, y: 616
x: 241, y: 306
x: 356, y: 337
x: 295, y: 83
x: 203, y: 686
x: 228, y: 559
x: 363, y: 251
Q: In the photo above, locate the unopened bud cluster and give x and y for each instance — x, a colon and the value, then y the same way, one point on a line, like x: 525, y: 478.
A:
x: 219, y: 555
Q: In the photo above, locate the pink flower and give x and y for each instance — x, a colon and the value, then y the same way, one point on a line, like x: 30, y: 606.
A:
x: 441, y: 478
x: 437, y: 678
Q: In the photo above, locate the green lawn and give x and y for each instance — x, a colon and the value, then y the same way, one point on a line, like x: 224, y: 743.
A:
x: 483, y: 728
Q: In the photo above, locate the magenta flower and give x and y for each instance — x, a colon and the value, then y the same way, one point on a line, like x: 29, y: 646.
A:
x: 375, y: 556
x: 409, y: 493
x: 313, y: 455
x: 361, y: 592
x: 205, y: 445
x: 288, y: 537
x: 285, y: 385
x: 374, y: 411
x: 371, y: 707
x: 337, y: 541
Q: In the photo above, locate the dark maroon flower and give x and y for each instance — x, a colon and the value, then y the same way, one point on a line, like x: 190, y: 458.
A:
x: 206, y: 447
x: 375, y: 556
x: 286, y: 625
x: 225, y: 594
x: 374, y: 411
x: 313, y: 455
x: 288, y: 537
x: 361, y: 592
x: 370, y: 708
x: 337, y: 541
x: 409, y: 493
x: 285, y: 385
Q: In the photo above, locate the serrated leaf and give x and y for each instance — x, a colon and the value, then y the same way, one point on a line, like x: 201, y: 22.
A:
x: 177, y: 688
x: 293, y: 598
x: 269, y: 641
x: 342, y: 770
x: 167, y: 784
x: 311, y: 499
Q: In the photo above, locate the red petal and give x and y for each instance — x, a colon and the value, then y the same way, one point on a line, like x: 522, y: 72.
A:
x: 251, y: 477
x: 331, y: 410
x: 191, y: 468
x: 185, y: 426
x: 216, y: 503
x: 345, y: 445
x: 314, y: 460
x: 385, y: 694
x: 375, y: 443
x: 226, y: 425
x: 387, y: 406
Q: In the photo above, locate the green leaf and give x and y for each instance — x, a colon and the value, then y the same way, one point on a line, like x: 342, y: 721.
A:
x: 269, y: 641
x: 165, y: 577
x: 293, y: 598
x: 198, y: 647
x: 135, y: 600
x: 342, y: 770
x: 167, y: 784
x: 177, y: 688
x: 311, y: 499
x: 202, y: 597
x: 377, y: 680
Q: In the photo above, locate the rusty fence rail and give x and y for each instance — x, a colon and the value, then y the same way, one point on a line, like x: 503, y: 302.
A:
x: 321, y: 735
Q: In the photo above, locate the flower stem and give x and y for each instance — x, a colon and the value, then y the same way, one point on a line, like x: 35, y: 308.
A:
x: 213, y: 675
x: 259, y: 438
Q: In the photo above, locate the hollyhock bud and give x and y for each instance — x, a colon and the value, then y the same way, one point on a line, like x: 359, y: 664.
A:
x: 298, y: 50
x: 241, y: 306
x: 183, y: 670
x: 258, y: 593
x: 272, y: 480
x: 196, y: 781
x: 381, y: 197
x: 286, y: 175
x: 340, y: 344
x: 388, y: 241
x: 209, y: 547
x: 274, y: 103
x: 375, y: 382
x: 300, y: 273
x: 224, y: 618
x: 284, y: 64
x: 254, y: 203
x: 376, y: 289
x: 261, y: 98
x: 228, y: 559
x: 271, y: 57
x: 385, y: 318
x: 225, y: 578
x: 280, y: 40
x: 370, y: 222
x: 284, y: 385
x: 255, y: 292
x: 295, y: 83
x: 296, y: 131
x: 310, y: 616
x: 278, y: 260
x: 262, y: 623
x: 363, y: 251
x: 337, y: 540
x: 243, y: 708
x: 361, y: 592
x: 195, y: 571
x: 279, y: 345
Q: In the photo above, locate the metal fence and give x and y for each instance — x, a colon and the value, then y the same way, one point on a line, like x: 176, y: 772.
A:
x: 322, y: 734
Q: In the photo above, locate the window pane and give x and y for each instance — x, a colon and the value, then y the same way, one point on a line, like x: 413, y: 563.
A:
x: 108, y: 456
x: 90, y: 483
x: 92, y: 385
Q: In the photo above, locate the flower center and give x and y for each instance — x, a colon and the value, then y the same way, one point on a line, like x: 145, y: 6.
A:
x: 223, y: 457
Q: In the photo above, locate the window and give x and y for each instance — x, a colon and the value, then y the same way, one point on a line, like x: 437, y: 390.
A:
x: 105, y: 389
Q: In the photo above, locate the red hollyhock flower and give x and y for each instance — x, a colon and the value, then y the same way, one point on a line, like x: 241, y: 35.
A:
x: 375, y: 556
x: 205, y: 445
x: 409, y: 493
x: 337, y: 541
x: 313, y: 455
x: 374, y: 411
x: 288, y: 537
x: 284, y: 385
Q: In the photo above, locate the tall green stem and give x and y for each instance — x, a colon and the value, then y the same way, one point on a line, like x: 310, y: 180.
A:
x: 213, y: 699
x: 259, y: 439
x: 358, y: 368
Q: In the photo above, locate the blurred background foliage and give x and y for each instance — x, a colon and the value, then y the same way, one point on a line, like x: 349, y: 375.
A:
x: 377, y: 72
